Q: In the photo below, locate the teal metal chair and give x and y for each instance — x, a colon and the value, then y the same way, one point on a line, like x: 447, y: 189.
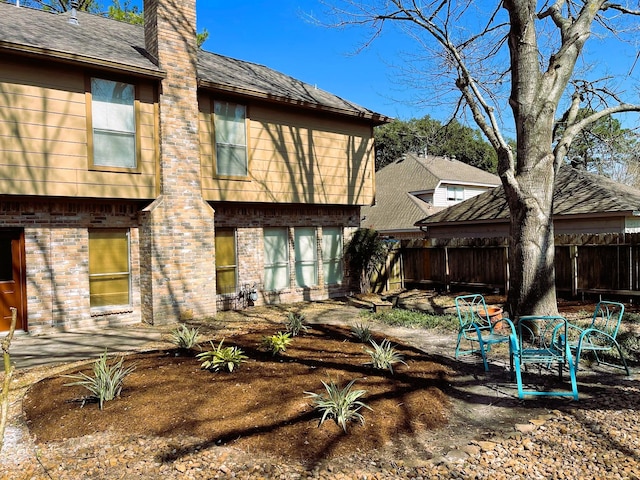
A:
x: 477, y: 330
x: 541, y: 340
x: 600, y: 336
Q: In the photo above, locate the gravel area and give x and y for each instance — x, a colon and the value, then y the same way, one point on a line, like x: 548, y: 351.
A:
x: 595, y: 437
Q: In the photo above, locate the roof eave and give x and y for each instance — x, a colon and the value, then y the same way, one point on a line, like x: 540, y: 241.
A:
x: 72, y: 58
x: 372, y: 117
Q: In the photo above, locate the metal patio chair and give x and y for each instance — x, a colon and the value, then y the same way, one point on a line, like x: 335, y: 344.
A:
x: 600, y: 336
x: 476, y: 327
x: 541, y: 341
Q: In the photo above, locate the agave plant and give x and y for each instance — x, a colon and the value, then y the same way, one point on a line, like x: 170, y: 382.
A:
x: 295, y: 323
x: 362, y: 332
x: 106, y: 382
x: 221, y: 358
x: 340, y: 404
x: 384, y: 355
x: 185, y: 337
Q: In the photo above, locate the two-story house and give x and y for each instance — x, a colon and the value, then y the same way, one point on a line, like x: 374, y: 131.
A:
x: 144, y: 179
x: 414, y: 186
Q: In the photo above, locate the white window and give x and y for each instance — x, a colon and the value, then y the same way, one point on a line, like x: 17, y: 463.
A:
x: 455, y: 194
x: 113, y: 121
x: 306, y: 256
x: 276, y: 259
x: 231, y: 139
x: 332, y: 255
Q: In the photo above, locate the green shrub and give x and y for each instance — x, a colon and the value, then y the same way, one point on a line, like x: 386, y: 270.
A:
x: 221, y: 358
x: 295, y: 323
x: 277, y: 343
x: 340, y: 404
x: 384, y: 356
x: 185, y: 337
x: 106, y: 382
x: 362, y: 332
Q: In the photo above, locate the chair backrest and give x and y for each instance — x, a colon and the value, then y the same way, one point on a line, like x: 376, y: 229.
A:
x: 607, y: 317
x: 472, y: 309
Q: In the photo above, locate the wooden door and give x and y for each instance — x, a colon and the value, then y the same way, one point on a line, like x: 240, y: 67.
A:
x: 12, y: 278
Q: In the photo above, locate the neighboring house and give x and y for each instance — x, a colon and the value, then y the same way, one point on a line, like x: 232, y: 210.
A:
x: 144, y: 179
x: 583, y: 203
x: 413, y: 187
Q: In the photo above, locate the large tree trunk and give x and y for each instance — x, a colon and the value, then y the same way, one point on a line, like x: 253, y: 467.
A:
x: 531, y: 260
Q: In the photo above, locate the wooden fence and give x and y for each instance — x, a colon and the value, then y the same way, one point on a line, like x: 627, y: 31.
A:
x: 584, y: 264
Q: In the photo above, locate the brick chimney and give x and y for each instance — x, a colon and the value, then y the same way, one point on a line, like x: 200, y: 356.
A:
x: 177, y: 236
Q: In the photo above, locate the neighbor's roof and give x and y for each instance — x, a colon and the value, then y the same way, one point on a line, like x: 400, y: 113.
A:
x: 397, y: 207
x: 104, y: 43
x: 577, y: 192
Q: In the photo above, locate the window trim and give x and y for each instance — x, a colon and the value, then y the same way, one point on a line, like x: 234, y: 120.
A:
x: 127, y: 234
x: 90, y: 134
x: 247, y: 137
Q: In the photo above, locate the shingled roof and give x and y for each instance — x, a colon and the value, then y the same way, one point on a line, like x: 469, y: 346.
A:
x: 105, y: 43
x: 397, y: 184
x: 577, y: 192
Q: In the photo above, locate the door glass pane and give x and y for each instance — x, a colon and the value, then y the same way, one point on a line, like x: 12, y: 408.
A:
x: 6, y: 260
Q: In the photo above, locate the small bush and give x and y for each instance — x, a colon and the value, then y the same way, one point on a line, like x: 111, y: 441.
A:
x: 185, y: 337
x: 384, y: 356
x: 106, y: 382
x: 362, y: 332
x: 340, y: 404
x: 295, y: 323
x: 277, y: 343
x: 221, y: 358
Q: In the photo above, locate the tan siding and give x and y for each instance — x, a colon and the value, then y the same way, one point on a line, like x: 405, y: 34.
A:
x: 43, y: 136
x: 296, y: 158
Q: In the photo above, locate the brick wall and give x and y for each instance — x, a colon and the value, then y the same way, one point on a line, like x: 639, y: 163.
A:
x: 177, y: 238
x: 249, y: 221
x: 57, y: 260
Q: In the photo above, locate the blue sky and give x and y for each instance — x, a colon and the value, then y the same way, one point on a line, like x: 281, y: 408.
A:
x: 276, y: 34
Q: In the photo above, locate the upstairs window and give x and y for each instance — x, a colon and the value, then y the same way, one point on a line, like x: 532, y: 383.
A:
x: 113, y: 124
x: 109, y: 268
x: 455, y: 194
x: 231, y: 139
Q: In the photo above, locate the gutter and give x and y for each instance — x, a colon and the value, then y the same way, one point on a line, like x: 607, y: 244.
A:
x: 82, y: 60
x: 373, y: 117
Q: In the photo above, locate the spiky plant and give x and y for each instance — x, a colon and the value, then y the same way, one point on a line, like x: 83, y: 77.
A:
x: 221, y: 358
x: 106, y: 382
x: 185, y: 337
x: 384, y: 355
x: 295, y: 323
x: 341, y: 404
x: 362, y: 332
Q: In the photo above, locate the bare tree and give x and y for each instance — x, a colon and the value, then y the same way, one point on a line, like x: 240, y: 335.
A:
x: 524, y: 54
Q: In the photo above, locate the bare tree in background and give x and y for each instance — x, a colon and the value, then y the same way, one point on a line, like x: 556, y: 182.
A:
x: 525, y: 55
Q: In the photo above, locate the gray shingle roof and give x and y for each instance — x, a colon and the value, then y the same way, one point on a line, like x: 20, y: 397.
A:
x: 107, y: 43
x: 577, y: 192
x: 396, y: 208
